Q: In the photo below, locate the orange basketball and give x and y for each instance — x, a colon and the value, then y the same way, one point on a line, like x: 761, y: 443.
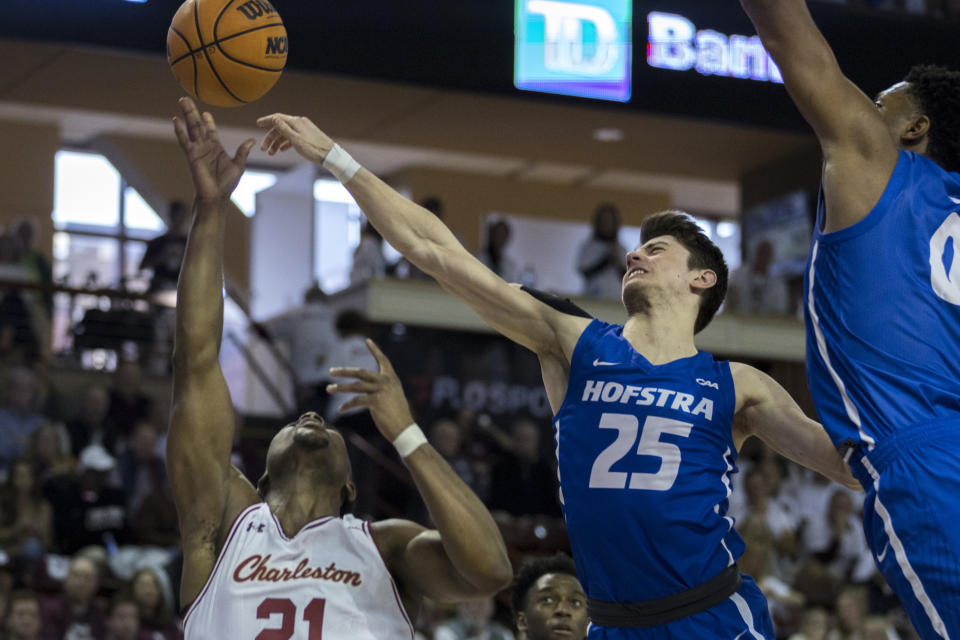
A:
x: 227, y: 52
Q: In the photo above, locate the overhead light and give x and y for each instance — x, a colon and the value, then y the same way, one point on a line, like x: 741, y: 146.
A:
x: 608, y: 134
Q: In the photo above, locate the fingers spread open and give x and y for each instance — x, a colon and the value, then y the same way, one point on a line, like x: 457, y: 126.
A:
x: 353, y: 403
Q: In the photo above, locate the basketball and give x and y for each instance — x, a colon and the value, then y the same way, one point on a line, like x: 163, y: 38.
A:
x: 227, y: 52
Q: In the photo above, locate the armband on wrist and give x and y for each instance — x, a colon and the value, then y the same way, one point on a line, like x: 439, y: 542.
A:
x: 409, y: 440
x: 341, y: 164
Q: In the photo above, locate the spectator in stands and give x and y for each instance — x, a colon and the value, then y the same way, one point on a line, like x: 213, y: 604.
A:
x: 548, y: 600
x: 602, y: 259
x: 154, y: 603
x: 92, y: 425
x: 474, y: 621
x: 164, y: 254
x: 814, y: 625
x: 846, y: 554
x: 446, y: 438
x: 26, y: 519
x: 86, y: 509
x: 76, y: 614
x: 20, y: 315
x: 754, y: 290
x: 6, y: 584
x: 123, y: 619
x: 494, y: 253
x: 350, y: 350
x: 36, y: 264
x: 309, y: 335
x: 48, y: 452
x: 851, y: 614
x: 142, y: 471
x: 144, y: 479
x: 23, y: 620
x: 18, y: 415
x: 764, y: 511
x: 522, y: 481
x: 368, y: 259
x: 129, y: 405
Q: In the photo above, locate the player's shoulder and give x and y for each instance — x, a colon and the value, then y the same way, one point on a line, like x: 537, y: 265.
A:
x: 393, y: 535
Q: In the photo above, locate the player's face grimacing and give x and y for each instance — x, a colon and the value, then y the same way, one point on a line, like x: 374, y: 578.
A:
x: 556, y: 607
x: 661, y: 262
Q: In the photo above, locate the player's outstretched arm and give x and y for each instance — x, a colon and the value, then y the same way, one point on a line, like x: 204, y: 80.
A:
x: 207, y: 491
x: 859, y: 151
x: 425, y: 240
x: 766, y: 410
x: 465, y: 556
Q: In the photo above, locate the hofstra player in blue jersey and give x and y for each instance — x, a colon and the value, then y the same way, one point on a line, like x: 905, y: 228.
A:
x: 647, y: 426
x: 883, y: 303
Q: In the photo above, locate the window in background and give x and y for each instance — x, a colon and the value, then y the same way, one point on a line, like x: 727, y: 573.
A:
x: 337, y: 224
x: 101, y: 226
x: 251, y: 183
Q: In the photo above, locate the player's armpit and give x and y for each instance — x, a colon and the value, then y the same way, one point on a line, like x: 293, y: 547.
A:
x: 859, y: 152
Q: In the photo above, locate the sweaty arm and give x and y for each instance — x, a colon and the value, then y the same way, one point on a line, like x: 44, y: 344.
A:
x: 207, y: 490
x: 465, y: 555
x: 427, y: 243
x: 859, y: 151
x: 764, y: 409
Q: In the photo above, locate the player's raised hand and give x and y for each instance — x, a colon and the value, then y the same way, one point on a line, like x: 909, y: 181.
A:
x: 215, y: 174
x: 379, y: 391
x: 284, y: 132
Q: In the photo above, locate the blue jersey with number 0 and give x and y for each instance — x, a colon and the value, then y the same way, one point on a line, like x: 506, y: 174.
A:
x: 883, y: 309
x: 645, y: 455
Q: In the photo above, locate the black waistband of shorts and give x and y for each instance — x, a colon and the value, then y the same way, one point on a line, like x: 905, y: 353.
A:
x: 650, y: 613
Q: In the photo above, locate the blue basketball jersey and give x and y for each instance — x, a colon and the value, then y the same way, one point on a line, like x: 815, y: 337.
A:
x: 645, y: 454
x: 883, y: 309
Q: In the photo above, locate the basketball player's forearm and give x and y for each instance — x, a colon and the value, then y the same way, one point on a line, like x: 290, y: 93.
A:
x: 199, y: 322
x: 412, y: 230
x: 470, y: 536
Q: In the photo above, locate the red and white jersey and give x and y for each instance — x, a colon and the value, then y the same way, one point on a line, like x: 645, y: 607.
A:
x: 328, y: 582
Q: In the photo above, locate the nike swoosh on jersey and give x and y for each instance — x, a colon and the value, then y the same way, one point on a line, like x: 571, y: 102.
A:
x: 600, y: 363
x: 883, y: 554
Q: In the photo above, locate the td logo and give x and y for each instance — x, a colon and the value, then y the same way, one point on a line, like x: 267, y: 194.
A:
x: 575, y: 48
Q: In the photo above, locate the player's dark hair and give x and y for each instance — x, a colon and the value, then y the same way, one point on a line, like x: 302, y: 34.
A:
x: 531, y: 571
x: 937, y: 89
x: 703, y: 255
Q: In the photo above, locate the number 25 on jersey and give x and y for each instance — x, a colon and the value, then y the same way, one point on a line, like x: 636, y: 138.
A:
x: 627, y: 425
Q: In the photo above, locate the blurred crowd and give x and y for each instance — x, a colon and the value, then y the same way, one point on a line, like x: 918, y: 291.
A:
x: 88, y: 530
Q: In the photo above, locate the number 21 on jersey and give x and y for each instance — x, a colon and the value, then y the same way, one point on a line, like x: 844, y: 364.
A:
x: 312, y: 615
x: 627, y: 426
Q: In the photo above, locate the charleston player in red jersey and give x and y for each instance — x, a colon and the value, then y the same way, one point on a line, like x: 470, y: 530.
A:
x: 282, y: 563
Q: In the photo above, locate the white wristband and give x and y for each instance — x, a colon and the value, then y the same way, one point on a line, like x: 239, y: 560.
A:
x: 341, y: 164
x: 409, y: 440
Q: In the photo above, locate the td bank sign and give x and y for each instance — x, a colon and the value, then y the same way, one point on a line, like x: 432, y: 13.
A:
x: 675, y: 43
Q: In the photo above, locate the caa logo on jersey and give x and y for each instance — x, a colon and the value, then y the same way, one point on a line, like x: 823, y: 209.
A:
x: 707, y: 383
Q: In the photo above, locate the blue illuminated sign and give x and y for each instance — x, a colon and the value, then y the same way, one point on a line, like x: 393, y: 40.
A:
x: 578, y: 48
x: 676, y: 44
